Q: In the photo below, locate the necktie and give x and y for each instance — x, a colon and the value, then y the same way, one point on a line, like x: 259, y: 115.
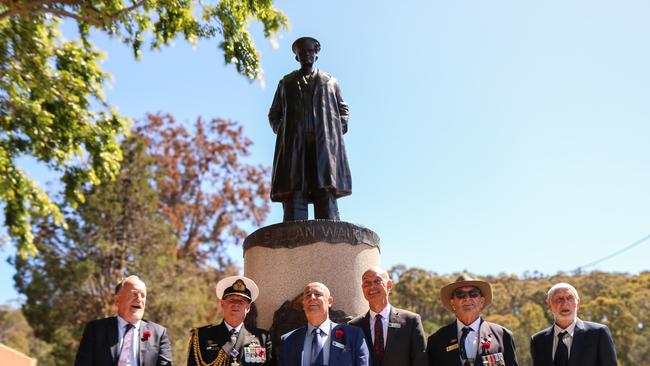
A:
x: 379, y: 339
x: 317, y: 358
x: 233, y: 335
x: 561, y: 352
x: 461, y: 344
x: 127, y: 345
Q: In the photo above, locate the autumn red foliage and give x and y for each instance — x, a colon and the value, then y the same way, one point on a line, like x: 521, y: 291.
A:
x: 207, y: 192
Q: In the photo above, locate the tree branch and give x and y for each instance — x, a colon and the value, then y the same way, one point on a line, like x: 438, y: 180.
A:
x: 32, y: 8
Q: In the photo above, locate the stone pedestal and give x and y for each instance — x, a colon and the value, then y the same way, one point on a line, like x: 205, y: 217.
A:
x: 283, y: 258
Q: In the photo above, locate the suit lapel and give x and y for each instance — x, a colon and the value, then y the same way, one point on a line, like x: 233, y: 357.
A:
x: 547, y: 347
x: 242, y: 338
x: 576, y: 343
x: 144, y: 345
x: 297, y: 348
x: 335, y: 352
x: 111, y: 335
x: 485, y: 332
x: 228, y: 345
x: 391, y: 333
x: 453, y: 356
x: 365, y: 325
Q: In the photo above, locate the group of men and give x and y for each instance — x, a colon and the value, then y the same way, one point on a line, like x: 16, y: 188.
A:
x: 383, y: 336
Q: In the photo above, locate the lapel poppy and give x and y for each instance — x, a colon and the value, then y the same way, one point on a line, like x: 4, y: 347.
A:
x: 145, y: 335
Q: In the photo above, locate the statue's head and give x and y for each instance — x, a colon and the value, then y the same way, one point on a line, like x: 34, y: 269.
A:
x: 306, y: 49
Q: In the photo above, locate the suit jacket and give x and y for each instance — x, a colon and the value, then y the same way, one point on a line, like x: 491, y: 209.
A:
x: 592, y: 345
x: 442, y: 346
x: 253, y: 346
x: 405, y: 341
x: 99, y: 344
x: 347, y: 349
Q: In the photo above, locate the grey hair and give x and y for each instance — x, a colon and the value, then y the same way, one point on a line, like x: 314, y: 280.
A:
x: 121, y: 283
x: 562, y: 285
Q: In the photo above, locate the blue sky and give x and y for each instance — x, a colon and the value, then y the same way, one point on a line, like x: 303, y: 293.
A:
x: 500, y: 136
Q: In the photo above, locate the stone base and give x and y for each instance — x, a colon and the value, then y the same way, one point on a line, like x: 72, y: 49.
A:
x: 283, y: 258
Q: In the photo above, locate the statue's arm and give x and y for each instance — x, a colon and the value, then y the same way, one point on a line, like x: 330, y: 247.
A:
x: 275, y: 113
x: 343, y: 109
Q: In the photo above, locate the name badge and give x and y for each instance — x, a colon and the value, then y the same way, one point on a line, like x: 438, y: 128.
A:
x: 394, y: 325
x: 452, y: 347
x: 337, y: 344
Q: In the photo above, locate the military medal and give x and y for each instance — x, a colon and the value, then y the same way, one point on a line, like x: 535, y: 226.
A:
x: 234, y: 353
x: 494, y: 360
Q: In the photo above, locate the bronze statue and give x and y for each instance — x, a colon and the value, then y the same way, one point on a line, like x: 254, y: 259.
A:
x: 309, y: 117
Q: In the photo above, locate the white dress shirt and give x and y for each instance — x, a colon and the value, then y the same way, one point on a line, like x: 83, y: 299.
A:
x: 471, y: 342
x: 385, y: 318
x: 568, y: 338
x: 135, y: 340
x: 230, y: 327
x: 326, y: 329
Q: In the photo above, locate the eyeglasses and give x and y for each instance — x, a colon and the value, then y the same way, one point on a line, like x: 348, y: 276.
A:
x: 473, y: 293
x: 375, y: 282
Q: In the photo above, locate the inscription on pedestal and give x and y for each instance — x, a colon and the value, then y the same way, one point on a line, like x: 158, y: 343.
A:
x: 297, y: 233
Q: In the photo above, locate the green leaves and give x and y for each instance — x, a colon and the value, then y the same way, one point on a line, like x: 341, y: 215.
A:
x: 52, y: 105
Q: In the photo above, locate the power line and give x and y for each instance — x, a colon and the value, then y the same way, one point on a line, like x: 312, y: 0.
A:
x: 636, y: 243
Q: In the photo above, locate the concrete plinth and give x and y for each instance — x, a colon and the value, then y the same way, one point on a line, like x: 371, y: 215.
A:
x: 283, y: 258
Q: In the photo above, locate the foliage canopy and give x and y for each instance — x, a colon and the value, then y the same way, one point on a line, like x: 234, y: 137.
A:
x: 52, y: 106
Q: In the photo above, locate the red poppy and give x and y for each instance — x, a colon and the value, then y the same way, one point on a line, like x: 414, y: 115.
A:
x: 339, y: 333
x: 485, y: 343
x: 146, y: 335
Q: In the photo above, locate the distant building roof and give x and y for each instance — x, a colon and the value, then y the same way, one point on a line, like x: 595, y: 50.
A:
x: 9, y: 356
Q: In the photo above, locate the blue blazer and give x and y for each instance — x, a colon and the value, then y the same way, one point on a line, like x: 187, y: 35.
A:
x: 592, y: 345
x: 354, y: 352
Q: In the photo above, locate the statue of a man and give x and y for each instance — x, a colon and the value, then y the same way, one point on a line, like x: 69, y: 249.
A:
x: 309, y: 117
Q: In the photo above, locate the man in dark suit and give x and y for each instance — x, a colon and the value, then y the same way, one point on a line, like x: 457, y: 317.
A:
x: 571, y: 341
x: 231, y: 343
x: 394, y: 336
x: 470, y: 340
x: 322, y: 342
x: 126, y: 339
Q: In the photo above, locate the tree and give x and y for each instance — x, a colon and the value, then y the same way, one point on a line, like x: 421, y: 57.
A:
x: 205, y: 191
x: 52, y: 106
x: 16, y: 333
x: 621, y: 301
x: 116, y: 232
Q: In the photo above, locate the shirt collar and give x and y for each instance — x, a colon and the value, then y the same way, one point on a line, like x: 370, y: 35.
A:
x: 324, y: 327
x: 570, y: 329
x: 230, y: 327
x: 121, y: 323
x: 385, y: 313
x: 475, y: 325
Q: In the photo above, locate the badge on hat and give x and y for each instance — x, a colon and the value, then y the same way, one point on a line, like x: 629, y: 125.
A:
x: 237, y: 285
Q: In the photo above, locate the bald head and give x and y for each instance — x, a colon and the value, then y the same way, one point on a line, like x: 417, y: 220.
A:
x: 316, y: 301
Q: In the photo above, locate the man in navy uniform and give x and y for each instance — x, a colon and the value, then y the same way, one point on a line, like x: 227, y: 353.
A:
x: 230, y: 343
x: 470, y: 340
x: 571, y: 341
